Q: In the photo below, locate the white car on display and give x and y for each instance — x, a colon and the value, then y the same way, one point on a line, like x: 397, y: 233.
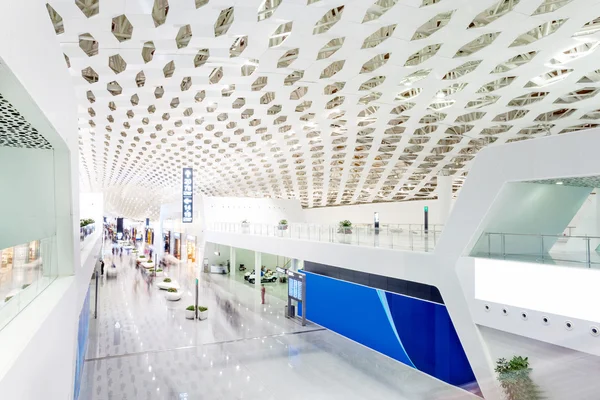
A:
x: 247, y: 274
x: 265, y: 278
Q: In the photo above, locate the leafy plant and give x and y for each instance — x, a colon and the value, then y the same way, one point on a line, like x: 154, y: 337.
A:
x: 515, y: 380
x: 167, y: 280
x: 245, y: 221
x: 142, y: 256
x: 283, y: 222
x: 149, y: 262
x: 191, y: 308
x: 172, y: 290
x: 159, y: 270
x: 25, y: 285
x: 202, y: 309
x: 85, y: 222
x: 345, y: 226
x: 7, y: 298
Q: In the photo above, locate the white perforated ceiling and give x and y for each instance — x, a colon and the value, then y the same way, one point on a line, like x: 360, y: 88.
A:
x: 332, y: 102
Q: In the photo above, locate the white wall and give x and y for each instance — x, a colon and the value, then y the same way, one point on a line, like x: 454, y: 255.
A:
x: 38, y: 346
x: 27, y: 207
x: 560, y: 373
x: 91, y: 205
x: 566, y: 291
x: 235, y: 209
x: 404, y: 212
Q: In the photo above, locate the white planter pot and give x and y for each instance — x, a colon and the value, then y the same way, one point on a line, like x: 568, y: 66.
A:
x: 167, y: 285
x: 190, y: 314
x: 173, y: 296
x: 344, y: 238
x: 202, y: 315
x: 111, y: 272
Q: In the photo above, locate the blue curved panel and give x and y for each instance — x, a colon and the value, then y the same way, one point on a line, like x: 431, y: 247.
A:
x: 415, y: 332
x: 428, y: 336
x: 353, y: 311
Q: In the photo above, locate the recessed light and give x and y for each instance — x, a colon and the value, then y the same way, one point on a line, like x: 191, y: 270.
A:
x: 559, y: 183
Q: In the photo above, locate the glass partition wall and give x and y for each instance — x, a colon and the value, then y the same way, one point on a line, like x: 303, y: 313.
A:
x: 25, y: 271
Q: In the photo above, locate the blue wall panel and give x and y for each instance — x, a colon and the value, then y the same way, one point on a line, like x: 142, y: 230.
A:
x: 415, y: 332
x: 82, y: 336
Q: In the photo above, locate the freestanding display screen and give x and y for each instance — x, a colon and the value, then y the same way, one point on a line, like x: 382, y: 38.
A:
x: 187, y: 197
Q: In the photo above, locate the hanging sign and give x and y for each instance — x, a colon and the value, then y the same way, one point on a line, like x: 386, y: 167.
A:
x: 187, y: 197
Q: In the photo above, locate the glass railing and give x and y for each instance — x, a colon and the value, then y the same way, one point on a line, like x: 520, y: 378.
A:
x: 25, y: 271
x: 412, y: 237
x: 583, y: 251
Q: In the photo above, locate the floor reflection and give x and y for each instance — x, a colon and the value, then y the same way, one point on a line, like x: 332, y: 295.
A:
x: 142, y: 347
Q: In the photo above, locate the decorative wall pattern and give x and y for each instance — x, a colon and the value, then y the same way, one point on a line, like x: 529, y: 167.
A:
x: 15, y: 131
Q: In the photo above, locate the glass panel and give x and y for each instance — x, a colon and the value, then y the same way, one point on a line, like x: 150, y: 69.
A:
x: 580, y: 251
x: 390, y: 236
x: 25, y: 271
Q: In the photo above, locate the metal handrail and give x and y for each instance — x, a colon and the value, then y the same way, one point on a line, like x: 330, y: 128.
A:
x: 542, y: 234
x: 414, y: 238
x: 542, y: 251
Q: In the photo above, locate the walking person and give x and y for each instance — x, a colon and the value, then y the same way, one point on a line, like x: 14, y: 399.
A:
x: 101, y: 267
x: 262, y: 293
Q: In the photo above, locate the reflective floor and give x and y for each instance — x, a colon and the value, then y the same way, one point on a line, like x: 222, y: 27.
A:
x: 142, y: 347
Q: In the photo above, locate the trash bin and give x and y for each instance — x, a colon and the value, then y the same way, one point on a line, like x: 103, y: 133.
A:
x: 292, y: 312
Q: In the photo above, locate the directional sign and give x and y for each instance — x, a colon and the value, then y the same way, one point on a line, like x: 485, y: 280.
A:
x: 187, y: 196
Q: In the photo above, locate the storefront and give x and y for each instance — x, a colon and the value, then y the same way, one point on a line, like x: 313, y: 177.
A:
x: 191, y: 248
x: 167, y: 241
x: 176, y: 248
x: 149, y: 236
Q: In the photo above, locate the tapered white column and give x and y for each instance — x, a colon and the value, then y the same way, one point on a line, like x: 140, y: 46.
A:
x: 444, y: 192
x: 257, y: 269
x: 232, y: 261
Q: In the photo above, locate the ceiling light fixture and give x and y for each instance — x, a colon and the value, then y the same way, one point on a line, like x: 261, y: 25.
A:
x: 559, y: 182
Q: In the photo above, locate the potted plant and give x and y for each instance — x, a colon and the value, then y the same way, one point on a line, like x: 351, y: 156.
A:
x: 190, y: 312
x: 202, y: 313
x: 514, y: 379
x: 345, y: 227
x: 245, y: 223
x: 173, y: 294
x: 345, y: 231
x: 283, y: 224
x: 167, y: 280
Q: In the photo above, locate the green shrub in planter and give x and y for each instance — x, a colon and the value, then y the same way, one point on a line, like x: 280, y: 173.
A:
x: 142, y: 256
x: 7, y: 299
x: 167, y: 280
x: 283, y: 222
x: 345, y: 227
x: 172, y: 290
x: 202, y: 309
x: 149, y: 262
x: 159, y: 270
x: 25, y: 286
x: 190, y: 308
x: 515, y: 380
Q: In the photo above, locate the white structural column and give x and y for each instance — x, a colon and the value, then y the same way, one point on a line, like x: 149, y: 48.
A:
x: 257, y: 269
x: 232, y: 261
x: 444, y: 187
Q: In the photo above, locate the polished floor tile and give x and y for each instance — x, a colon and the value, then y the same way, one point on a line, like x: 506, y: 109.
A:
x: 142, y: 347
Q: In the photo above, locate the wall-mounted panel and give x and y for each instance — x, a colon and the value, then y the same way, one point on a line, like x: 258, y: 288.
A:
x: 415, y: 332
